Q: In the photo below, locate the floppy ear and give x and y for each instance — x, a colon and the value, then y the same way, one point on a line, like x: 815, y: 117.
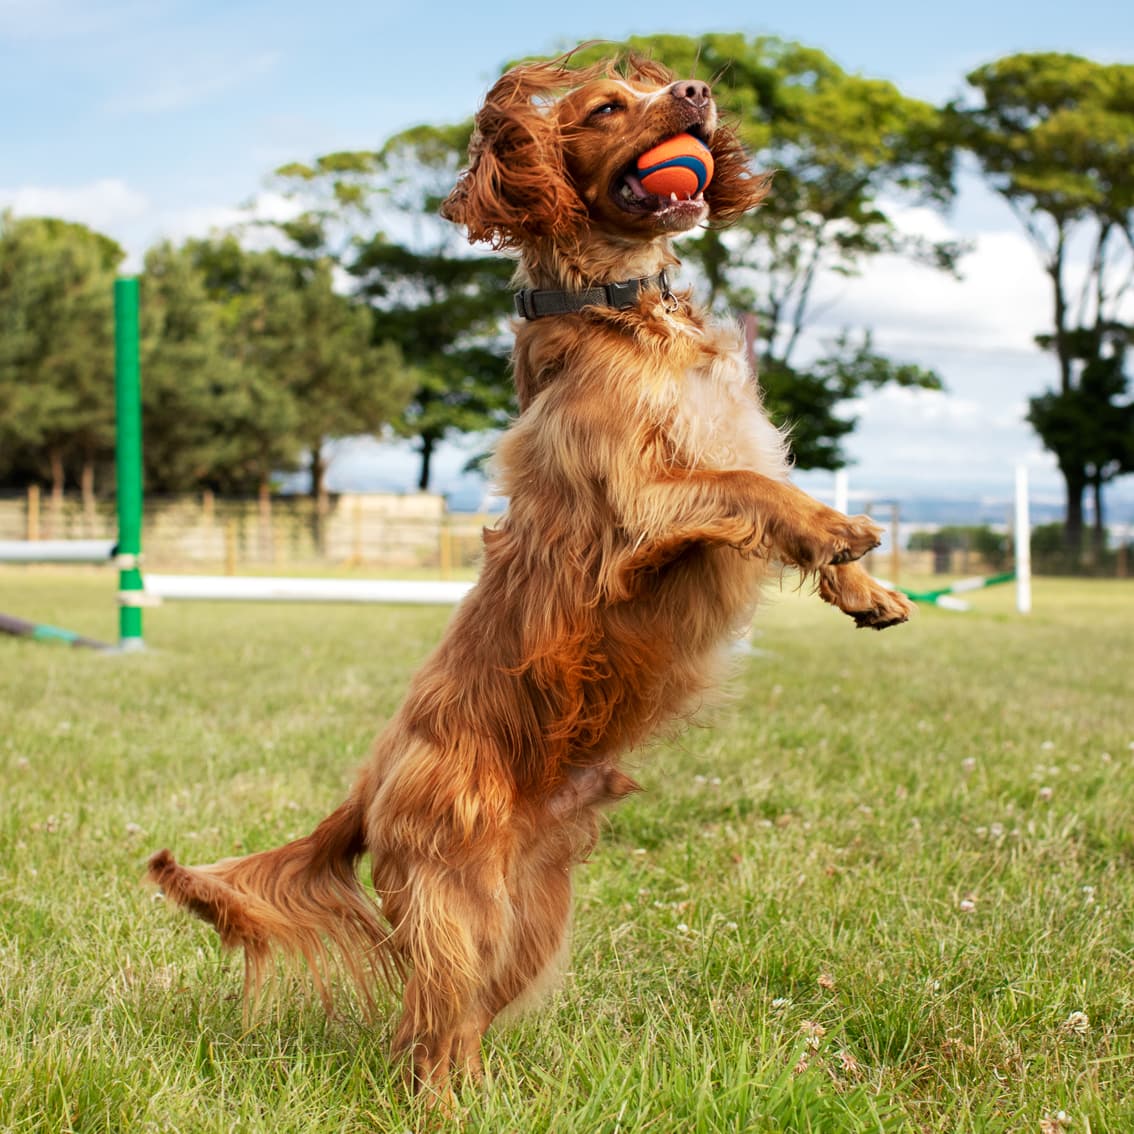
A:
x: 516, y: 185
x: 734, y: 189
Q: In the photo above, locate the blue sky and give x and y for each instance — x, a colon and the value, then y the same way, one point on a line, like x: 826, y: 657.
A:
x: 151, y: 118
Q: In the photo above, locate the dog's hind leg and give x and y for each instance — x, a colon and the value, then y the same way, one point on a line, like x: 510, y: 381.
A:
x: 539, y: 893
x: 453, y: 925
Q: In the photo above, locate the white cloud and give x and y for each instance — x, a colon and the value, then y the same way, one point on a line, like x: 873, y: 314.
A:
x: 999, y: 302
x: 128, y: 216
x: 202, y: 220
x: 104, y: 204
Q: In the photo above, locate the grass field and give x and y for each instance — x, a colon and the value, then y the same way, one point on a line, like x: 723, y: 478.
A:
x: 891, y: 889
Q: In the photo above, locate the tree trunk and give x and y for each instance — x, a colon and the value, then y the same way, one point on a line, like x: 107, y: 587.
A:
x: 58, y: 479
x: 1062, y: 347
x: 1098, y: 531
x: 428, y: 443
x: 317, y: 467
x: 319, y: 496
x: 267, y: 542
x: 1073, y: 524
x: 87, y: 493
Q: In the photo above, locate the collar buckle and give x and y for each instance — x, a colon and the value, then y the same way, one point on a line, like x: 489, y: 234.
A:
x: 622, y: 293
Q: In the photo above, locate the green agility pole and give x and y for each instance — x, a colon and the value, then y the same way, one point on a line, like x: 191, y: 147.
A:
x: 128, y: 454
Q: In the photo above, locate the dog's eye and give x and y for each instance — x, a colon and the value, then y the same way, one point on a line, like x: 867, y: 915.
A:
x: 605, y: 109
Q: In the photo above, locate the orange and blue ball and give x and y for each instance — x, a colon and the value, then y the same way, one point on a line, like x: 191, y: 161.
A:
x: 681, y: 165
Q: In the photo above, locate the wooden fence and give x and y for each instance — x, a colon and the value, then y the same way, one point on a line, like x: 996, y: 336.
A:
x: 351, y: 529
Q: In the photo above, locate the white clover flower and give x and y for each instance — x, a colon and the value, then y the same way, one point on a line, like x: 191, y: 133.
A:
x: 1078, y: 1024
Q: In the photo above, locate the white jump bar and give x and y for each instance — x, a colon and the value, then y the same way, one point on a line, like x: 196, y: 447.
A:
x: 253, y: 588
x: 56, y: 550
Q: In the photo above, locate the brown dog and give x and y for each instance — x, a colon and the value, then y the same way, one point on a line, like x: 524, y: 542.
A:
x: 648, y: 499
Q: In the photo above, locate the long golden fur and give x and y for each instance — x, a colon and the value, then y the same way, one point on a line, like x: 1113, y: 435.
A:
x: 648, y: 500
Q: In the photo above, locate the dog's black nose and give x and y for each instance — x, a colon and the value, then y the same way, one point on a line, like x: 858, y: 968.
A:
x: 692, y: 91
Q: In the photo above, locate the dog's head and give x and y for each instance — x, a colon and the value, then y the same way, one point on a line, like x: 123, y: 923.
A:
x: 555, y: 150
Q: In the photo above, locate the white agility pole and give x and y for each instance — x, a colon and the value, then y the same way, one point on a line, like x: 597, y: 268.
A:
x: 1023, y: 543
x: 56, y: 550
x: 252, y: 588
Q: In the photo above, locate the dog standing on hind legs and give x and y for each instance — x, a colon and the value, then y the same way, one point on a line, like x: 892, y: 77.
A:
x: 648, y: 499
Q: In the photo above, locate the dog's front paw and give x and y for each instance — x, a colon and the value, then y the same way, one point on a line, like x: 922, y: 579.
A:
x: 854, y: 537
x: 834, y: 539
x: 870, y: 604
x: 890, y: 608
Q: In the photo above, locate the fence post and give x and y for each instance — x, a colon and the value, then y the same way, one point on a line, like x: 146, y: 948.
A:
x: 1023, y: 540
x: 33, y: 512
x: 128, y: 455
x: 445, y: 547
x: 267, y: 537
x: 895, y: 541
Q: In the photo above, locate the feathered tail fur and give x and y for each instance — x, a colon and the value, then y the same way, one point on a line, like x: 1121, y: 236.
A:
x: 304, y: 898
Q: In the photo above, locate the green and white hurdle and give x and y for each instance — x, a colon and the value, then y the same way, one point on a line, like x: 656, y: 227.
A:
x: 137, y: 591
x: 946, y: 597
x: 126, y: 552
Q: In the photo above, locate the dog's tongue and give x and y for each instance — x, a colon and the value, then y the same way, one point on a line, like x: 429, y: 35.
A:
x: 636, y: 185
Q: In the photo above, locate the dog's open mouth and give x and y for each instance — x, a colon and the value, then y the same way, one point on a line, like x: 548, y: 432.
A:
x: 632, y: 196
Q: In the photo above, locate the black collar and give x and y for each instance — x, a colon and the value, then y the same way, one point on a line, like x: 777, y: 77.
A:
x: 533, y: 303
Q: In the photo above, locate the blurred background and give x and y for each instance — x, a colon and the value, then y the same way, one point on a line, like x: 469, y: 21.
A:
x: 938, y: 290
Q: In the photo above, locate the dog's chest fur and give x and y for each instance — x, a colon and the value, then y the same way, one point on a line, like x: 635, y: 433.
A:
x: 715, y: 417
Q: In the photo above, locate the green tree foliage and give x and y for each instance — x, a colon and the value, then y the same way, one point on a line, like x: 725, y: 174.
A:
x: 1054, y: 136
x: 845, y: 148
x: 56, y: 348
x: 213, y: 414
x: 252, y: 361
x: 842, y: 144
x: 312, y: 366
x: 375, y: 213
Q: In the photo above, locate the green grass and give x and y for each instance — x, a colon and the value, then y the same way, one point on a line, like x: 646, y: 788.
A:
x: 890, y: 890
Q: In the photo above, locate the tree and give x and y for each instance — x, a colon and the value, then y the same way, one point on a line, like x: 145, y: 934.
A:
x: 213, y: 414
x: 57, y: 346
x: 1054, y: 137
x: 1088, y: 427
x: 297, y: 336
x: 443, y: 311
x: 439, y: 303
x: 845, y: 148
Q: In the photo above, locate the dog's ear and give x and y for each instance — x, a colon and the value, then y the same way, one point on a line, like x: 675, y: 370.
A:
x: 734, y: 189
x: 516, y: 186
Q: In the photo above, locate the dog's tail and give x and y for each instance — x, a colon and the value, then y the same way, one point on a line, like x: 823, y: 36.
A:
x: 303, y: 898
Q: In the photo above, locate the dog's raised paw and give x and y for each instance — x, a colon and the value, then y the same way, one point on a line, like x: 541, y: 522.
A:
x: 890, y: 609
x: 857, y: 535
